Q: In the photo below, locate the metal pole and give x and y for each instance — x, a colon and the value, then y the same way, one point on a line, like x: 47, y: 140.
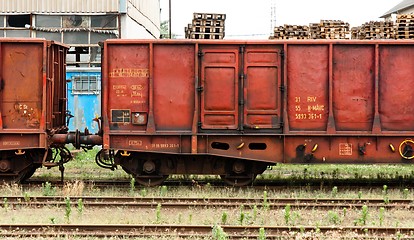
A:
x: 169, y: 18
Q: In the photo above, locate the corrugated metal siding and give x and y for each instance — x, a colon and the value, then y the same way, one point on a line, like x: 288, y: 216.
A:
x: 59, y: 6
x: 146, y: 13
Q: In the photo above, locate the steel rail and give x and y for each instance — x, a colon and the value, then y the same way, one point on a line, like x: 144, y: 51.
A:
x: 232, y: 231
x: 184, y: 202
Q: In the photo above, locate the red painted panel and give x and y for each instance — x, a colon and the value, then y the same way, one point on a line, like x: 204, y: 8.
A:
x: 128, y: 84
x: 174, y: 76
x: 307, y: 71
x: 353, y: 87
x: 396, y: 98
x: 219, y: 80
x: 22, y: 83
x: 262, y: 87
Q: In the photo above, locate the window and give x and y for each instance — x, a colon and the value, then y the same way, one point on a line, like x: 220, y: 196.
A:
x: 86, y: 84
x: 18, y: 20
x: 105, y: 21
x: 48, y: 21
x: 75, y: 21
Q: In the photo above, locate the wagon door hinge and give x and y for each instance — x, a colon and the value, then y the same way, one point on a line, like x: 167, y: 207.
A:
x: 282, y: 88
x: 282, y: 54
x: 200, y: 89
x: 241, y: 49
x: 200, y: 53
x: 242, y: 76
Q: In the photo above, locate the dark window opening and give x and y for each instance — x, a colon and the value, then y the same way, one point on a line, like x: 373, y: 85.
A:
x: 18, y: 20
x: 220, y: 145
x: 257, y: 146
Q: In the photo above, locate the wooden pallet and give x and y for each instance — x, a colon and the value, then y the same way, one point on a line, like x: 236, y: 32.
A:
x: 196, y: 35
x: 405, y: 26
x: 208, y: 23
x: 204, y: 29
x: 215, y: 16
x: 291, y: 32
x: 375, y: 30
x: 206, y: 26
x: 329, y: 29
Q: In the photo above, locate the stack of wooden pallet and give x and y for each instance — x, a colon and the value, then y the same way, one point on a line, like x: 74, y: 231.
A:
x: 329, y: 29
x: 206, y: 26
x: 291, y: 32
x: 405, y: 26
x: 374, y: 30
x: 355, y: 32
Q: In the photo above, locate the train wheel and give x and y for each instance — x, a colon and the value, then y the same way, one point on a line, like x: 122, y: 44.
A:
x: 238, y: 173
x: 150, y: 180
x: 238, y: 180
x: 29, y: 173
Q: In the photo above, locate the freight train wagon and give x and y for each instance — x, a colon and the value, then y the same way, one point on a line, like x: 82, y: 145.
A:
x: 232, y: 108
x: 32, y: 105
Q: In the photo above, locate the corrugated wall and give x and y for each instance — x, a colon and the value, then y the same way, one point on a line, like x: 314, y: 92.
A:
x: 147, y: 14
x: 59, y: 6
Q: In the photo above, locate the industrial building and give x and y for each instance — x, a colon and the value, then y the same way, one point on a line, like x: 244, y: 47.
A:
x: 80, y: 23
x: 404, y: 7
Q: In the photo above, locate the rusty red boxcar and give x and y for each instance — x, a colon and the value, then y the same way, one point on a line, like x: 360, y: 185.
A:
x: 234, y: 107
x: 32, y: 104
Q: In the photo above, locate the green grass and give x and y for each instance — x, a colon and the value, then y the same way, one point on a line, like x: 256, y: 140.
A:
x: 338, y: 171
x: 83, y: 167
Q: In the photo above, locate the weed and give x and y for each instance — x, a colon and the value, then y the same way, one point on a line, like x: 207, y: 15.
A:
x: 5, y: 204
x: 254, y: 213
x: 405, y: 193
x: 381, y: 215
x: 143, y: 192
x: 287, y: 214
x: 80, y: 206
x: 52, y: 220
x: 218, y: 233
x: 163, y: 190
x: 26, y: 197
x: 242, y: 215
x: 333, y: 217
x: 262, y: 234
x: 224, y: 217
x: 359, y: 194
x: 386, y: 199
x: 266, y: 204
x: 73, y: 188
x: 158, y: 213
x: 385, y: 190
x: 190, y: 218
x: 68, y: 209
x: 48, y: 190
x: 334, y: 191
x: 180, y: 218
x: 132, y: 185
x: 344, y: 212
x: 364, y: 216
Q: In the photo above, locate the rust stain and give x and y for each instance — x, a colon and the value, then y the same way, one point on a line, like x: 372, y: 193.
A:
x: 28, y: 113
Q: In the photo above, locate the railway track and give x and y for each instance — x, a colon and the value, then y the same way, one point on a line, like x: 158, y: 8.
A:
x: 193, y: 231
x: 228, y: 203
x: 259, y: 184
